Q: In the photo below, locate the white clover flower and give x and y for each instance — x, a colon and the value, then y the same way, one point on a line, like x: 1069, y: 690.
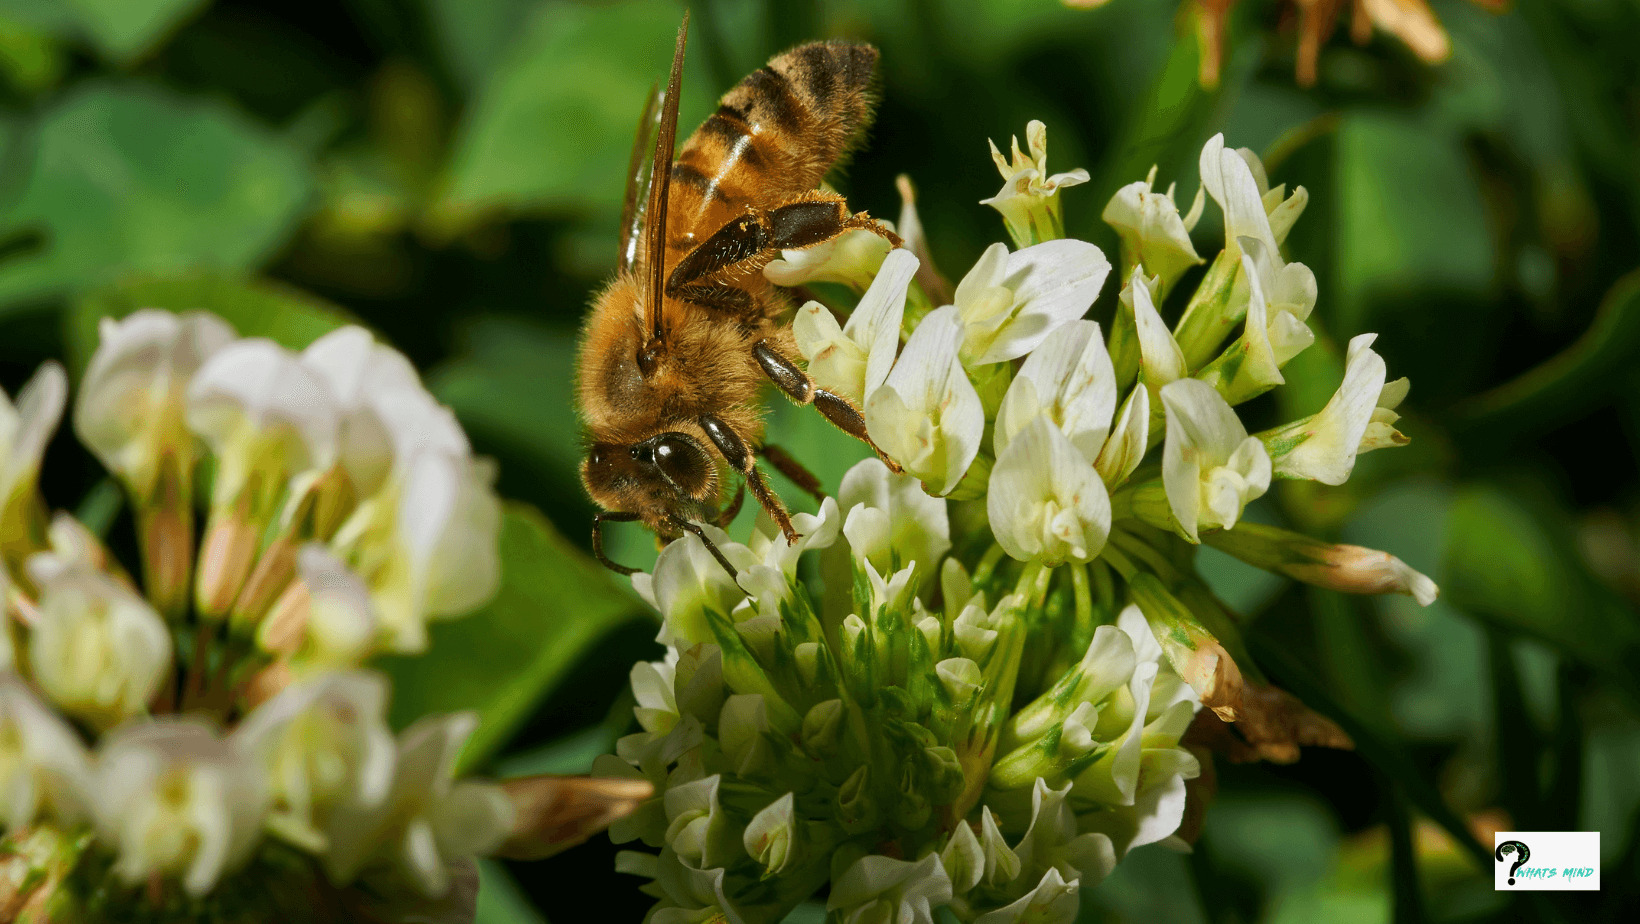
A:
x: 1008, y: 304
x: 688, y: 583
x: 44, y: 769
x: 25, y: 429
x: 1029, y: 198
x: 1129, y: 439
x: 266, y: 417
x: 1070, y: 380
x: 427, y: 545
x: 773, y: 838
x: 891, y: 522
x: 1046, y: 501
x: 98, y: 649
x: 1210, y: 466
x: 362, y: 376
x: 1236, y: 180
x: 926, y: 415
x: 853, y: 360
x: 131, y: 409
x: 320, y: 744
x: 1153, y: 233
x: 427, y: 821
x: 852, y: 259
x: 878, y: 889
x: 1272, y: 335
x: 1381, y: 432
x: 174, y: 798
x: 1053, y: 901
x: 1052, y: 841
x: 1323, y: 446
x: 1161, y: 361
x: 338, y: 626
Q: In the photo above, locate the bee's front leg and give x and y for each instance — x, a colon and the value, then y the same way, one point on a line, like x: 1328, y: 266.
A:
x: 801, y: 389
x: 739, y: 456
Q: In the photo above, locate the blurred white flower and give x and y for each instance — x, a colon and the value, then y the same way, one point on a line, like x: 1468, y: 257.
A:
x: 853, y: 360
x: 361, y: 376
x: 427, y: 545
x: 320, y: 744
x: 25, y: 429
x: 1070, y: 380
x: 926, y: 415
x: 1029, y: 198
x: 1210, y: 466
x: 341, y: 624
x: 1153, y: 233
x: 266, y: 417
x: 1008, y: 304
x: 131, y: 409
x: 427, y: 821
x: 1323, y: 446
x: 98, y: 649
x: 174, y: 798
x: 44, y: 770
x: 878, y: 889
x: 1047, y: 502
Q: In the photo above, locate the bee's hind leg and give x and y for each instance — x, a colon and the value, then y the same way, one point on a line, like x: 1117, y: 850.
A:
x: 801, y: 389
x: 739, y: 456
x: 745, y: 245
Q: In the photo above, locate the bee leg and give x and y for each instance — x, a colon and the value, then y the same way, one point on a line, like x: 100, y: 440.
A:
x: 792, y: 469
x: 744, y: 245
x: 800, y: 388
x: 739, y: 456
x: 730, y: 512
x: 695, y: 530
x: 598, y: 521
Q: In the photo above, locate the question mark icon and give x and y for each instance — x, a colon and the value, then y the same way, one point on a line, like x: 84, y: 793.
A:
x: 1522, y: 854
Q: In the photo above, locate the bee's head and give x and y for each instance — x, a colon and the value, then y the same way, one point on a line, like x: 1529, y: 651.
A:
x: 669, y: 475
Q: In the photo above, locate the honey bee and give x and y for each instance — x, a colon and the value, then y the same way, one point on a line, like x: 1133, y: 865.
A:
x: 678, y: 346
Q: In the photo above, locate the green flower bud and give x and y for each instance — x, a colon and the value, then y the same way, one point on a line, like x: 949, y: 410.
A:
x: 857, y: 811
x: 772, y: 837
x: 822, y: 728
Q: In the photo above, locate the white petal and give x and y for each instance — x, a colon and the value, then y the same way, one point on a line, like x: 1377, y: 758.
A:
x: 1162, y: 359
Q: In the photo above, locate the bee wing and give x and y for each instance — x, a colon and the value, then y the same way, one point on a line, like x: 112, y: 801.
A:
x: 660, y: 182
x: 639, y: 175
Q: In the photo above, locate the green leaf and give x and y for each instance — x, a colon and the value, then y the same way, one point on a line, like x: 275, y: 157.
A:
x: 126, y: 30
x: 127, y: 178
x: 255, y: 308
x: 1505, y: 565
x: 1410, y: 217
x: 1573, y: 380
x: 500, y: 900
x: 554, y: 603
x: 552, y: 129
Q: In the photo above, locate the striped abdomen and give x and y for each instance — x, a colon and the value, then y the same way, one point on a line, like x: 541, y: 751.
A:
x: 773, y: 137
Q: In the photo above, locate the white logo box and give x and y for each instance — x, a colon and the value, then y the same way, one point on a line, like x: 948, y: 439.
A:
x: 1557, y: 861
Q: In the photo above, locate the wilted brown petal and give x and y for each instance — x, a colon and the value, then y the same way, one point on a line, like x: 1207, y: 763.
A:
x: 1272, y: 725
x: 556, y: 813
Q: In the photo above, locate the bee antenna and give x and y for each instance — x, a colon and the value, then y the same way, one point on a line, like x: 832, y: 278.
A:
x: 661, y: 182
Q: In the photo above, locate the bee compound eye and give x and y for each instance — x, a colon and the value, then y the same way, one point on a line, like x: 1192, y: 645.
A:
x: 595, y: 456
x: 644, y: 453
x: 683, y: 462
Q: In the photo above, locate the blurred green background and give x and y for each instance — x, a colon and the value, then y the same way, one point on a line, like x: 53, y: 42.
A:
x: 449, y: 172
